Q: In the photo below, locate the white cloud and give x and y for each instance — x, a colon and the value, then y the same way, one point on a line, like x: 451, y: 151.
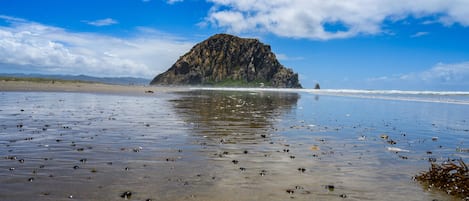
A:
x: 173, y: 1
x: 441, y: 77
x: 284, y: 57
x: 458, y: 72
x: 102, y: 22
x: 419, y: 34
x: 51, y: 49
x: 329, y: 19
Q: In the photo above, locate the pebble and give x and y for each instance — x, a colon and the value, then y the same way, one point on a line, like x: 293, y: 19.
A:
x: 126, y: 195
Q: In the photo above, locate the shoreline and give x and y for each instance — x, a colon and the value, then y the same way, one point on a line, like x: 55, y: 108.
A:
x: 82, y: 87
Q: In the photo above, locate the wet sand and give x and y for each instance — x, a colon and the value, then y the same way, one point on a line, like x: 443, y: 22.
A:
x: 69, y: 86
x: 120, y: 143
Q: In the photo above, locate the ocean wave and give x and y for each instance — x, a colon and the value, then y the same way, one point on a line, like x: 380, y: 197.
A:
x: 452, y: 97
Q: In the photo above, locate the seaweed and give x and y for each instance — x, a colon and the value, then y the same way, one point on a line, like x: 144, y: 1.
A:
x: 451, y: 177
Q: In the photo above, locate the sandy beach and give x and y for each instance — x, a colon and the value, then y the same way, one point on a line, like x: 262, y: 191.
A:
x: 70, y: 86
x: 67, y: 140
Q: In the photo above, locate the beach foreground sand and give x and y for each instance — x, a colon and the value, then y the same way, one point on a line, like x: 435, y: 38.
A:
x: 68, y: 86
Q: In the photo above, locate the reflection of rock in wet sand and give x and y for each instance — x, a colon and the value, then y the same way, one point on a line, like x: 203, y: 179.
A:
x: 234, y: 117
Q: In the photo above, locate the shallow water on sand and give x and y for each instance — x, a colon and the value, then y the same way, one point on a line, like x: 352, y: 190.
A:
x: 219, y: 145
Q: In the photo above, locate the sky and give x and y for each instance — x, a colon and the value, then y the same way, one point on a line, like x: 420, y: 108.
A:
x: 352, y: 44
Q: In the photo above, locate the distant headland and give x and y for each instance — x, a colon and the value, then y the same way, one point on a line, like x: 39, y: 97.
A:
x: 229, y: 61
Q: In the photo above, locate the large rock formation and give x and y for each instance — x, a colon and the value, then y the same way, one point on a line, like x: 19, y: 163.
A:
x: 226, y: 60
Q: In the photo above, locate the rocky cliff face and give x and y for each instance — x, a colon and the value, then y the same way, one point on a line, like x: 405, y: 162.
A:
x: 226, y: 60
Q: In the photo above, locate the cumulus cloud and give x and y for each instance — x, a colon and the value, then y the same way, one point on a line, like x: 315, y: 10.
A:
x: 329, y: 19
x: 102, y: 22
x: 52, y: 49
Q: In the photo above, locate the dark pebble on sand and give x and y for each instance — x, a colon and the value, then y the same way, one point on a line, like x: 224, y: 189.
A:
x: 245, y: 151
x: 235, y: 161
x: 263, y: 136
x: 330, y: 187
x: 11, y: 157
x: 126, y: 195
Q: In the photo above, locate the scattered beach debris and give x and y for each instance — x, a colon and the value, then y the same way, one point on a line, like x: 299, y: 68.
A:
x: 462, y: 150
x: 126, y: 195
x: 451, y: 177
x: 384, y: 136
x: 362, y: 138
x: 329, y: 187
x: 395, y: 149
x: 315, y: 148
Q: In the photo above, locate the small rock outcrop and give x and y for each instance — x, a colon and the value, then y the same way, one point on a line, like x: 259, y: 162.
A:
x: 226, y: 60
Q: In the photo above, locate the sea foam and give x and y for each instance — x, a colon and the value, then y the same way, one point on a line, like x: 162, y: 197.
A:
x: 451, y: 97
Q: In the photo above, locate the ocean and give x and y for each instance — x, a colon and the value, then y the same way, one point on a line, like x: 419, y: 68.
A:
x: 228, y: 144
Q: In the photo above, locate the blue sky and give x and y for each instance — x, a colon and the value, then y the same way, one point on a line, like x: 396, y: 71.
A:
x: 360, y: 44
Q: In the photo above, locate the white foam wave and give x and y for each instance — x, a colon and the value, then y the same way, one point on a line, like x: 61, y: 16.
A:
x: 340, y: 91
x: 453, y: 97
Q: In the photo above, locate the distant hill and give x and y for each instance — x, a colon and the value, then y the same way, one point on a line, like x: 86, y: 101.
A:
x: 105, y: 80
x: 226, y: 60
